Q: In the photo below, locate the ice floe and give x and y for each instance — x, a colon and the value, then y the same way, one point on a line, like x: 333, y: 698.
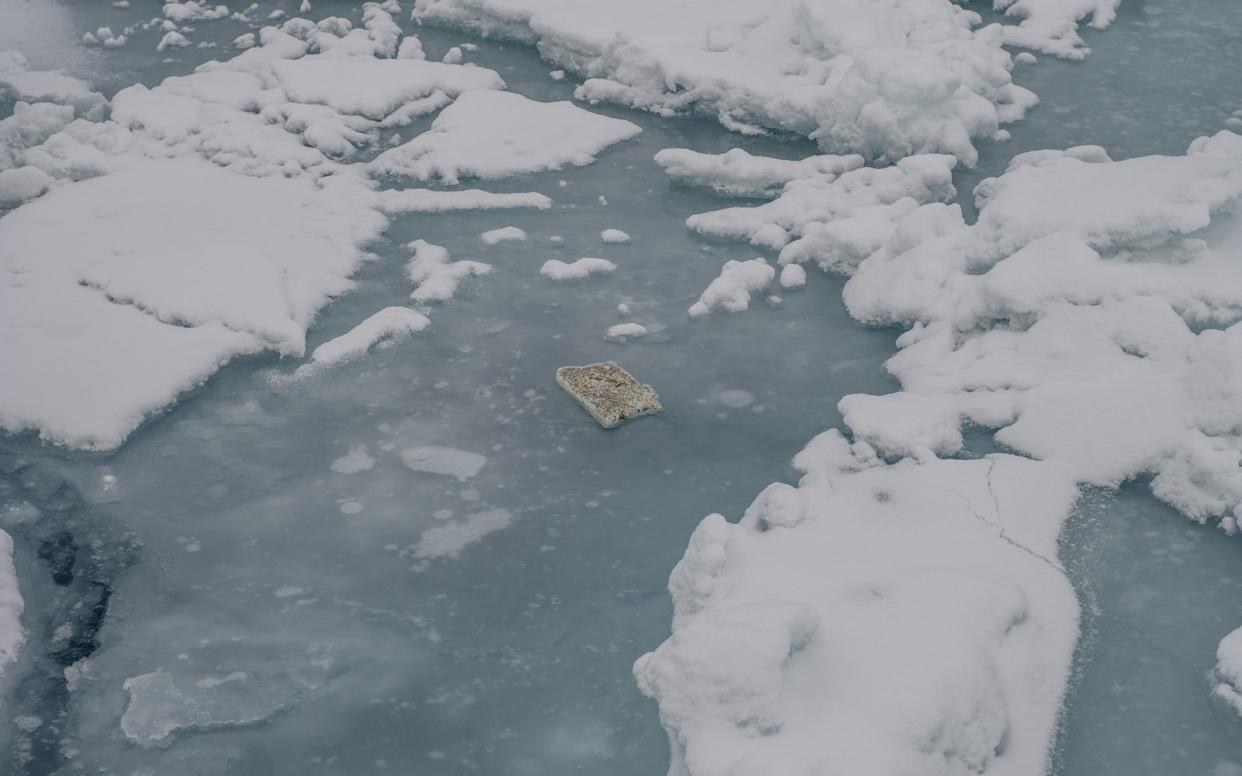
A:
x: 555, y: 269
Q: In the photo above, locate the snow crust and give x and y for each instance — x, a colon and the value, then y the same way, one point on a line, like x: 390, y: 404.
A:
x: 883, y: 79
x: 467, y: 140
x: 555, y: 269
x: 1089, y: 318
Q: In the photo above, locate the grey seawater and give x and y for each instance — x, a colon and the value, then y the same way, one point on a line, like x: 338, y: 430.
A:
x: 237, y: 573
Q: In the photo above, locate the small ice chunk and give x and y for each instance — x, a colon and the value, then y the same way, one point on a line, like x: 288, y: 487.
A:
x: 1025, y: 58
x: 356, y: 460
x: 503, y: 234
x: 557, y: 75
x: 614, y: 236
x: 449, y: 539
x: 608, y: 392
x: 559, y: 270
x: 172, y: 39
x: 461, y: 464
x: 732, y: 289
x: 792, y: 276
x: 452, y: 56
x: 623, y: 309
x: 626, y: 331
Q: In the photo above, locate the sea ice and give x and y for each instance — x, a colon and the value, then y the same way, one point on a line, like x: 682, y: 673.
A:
x: 386, y: 325
x: 437, y: 278
x: 503, y: 234
x: 358, y: 459
x: 448, y: 540
x: 449, y: 461
x: 732, y: 289
x: 897, y: 77
x: 466, y: 140
x: 614, y: 236
x: 555, y: 269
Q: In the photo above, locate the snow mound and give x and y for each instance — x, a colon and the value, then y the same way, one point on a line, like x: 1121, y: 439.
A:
x: 388, y: 324
x: 467, y: 140
x: 503, y: 234
x: 555, y: 269
x: 882, y: 78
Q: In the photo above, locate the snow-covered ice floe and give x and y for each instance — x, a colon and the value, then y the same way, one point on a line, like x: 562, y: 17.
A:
x: 386, y: 325
x: 911, y: 617
x: 555, y: 269
x: 468, y: 140
x: 883, y: 79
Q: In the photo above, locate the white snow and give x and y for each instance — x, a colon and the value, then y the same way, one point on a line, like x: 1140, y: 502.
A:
x: 1051, y: 26
x: 467, y: 140
x: 449, y: 461
x: 792, y: 276
x: 388, y: 324
x: 437, y: 278
x: 12, y: 635
x: 622, y: 332
x: 396, y: 201
x: 739, y: 174
x: 450, y: 539
x: 883, y: 78
x: 503, y: 234
x: 172, y: 268
x: 22, y: 83
x: 732, y: 289
x: 555, y: 269
x: 614, y: 236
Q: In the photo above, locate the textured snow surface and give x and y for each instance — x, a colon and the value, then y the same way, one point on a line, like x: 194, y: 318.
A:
x: 1087, y: 317
x: 1051, y: 26
x: 884, y: 79
x: 172, y: 268
x: 468, y: 140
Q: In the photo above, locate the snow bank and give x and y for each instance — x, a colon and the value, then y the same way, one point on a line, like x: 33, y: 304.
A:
x: 555, y: 269
x: 468, y: 140
x: 884, y: 78
x: 1089, y: 317
x: 388, y: 324
x: 732, y: 289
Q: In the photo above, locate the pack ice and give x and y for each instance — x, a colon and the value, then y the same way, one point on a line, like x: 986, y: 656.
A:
x: 1087, y: 317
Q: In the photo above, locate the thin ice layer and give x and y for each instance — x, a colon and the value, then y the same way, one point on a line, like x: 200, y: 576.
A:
x: 881, y: 78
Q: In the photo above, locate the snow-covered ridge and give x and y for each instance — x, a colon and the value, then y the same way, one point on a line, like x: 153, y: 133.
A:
x: 883, y: 79
x: 1090, y: 316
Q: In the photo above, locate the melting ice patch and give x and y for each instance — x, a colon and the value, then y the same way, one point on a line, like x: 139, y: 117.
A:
x: 448, y: 540
x: 449, y: 461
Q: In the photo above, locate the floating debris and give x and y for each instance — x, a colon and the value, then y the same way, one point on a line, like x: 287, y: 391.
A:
x: 608, y: 392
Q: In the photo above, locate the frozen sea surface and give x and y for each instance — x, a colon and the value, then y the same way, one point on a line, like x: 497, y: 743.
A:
x: 265, y: 553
